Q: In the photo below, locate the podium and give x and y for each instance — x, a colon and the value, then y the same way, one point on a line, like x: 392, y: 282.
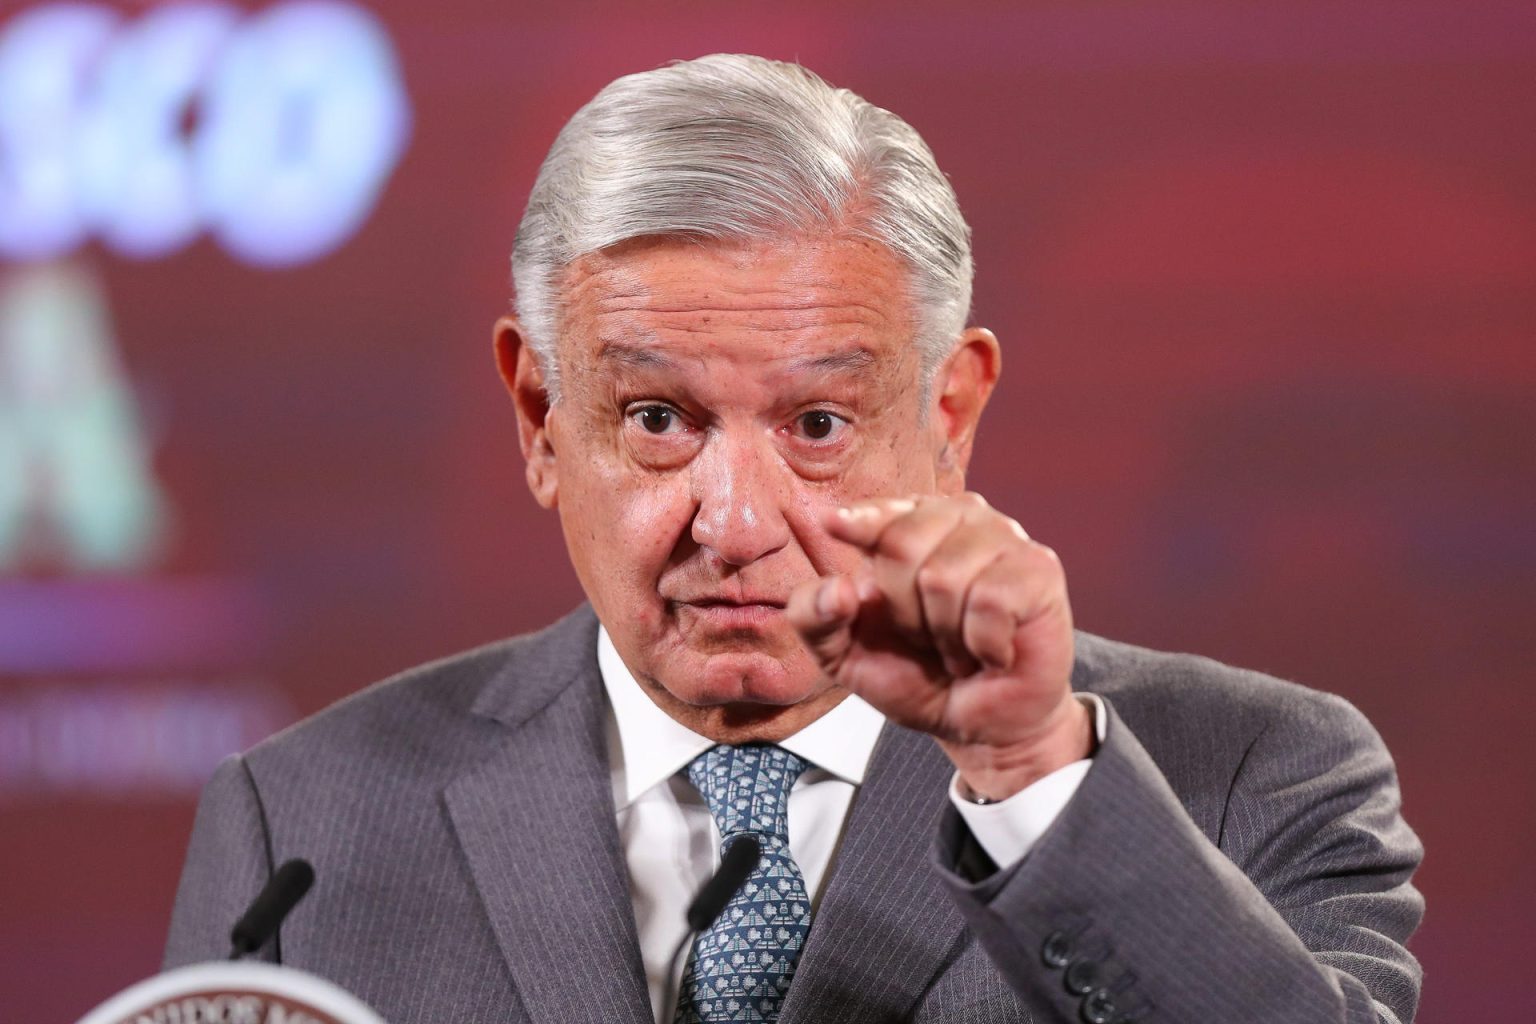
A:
x: 233, y: 992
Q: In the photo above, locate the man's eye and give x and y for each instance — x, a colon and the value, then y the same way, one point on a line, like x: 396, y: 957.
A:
x: 657, y: 419
x: 820, y: 425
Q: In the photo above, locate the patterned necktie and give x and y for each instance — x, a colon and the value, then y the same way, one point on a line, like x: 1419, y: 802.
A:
x: 742, y: 964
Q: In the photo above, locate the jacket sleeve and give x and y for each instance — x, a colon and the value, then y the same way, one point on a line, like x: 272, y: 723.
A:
x: 228, y: 861
x: 1126, y: 911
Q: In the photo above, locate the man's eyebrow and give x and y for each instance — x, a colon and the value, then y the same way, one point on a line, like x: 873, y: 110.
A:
x: 833, y: 362
x: 635, y: 357
x: 638, y: 357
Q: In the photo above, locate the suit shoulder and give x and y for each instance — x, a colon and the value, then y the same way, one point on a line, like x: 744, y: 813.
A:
x: 437, y: 703
x: 1149, y: 685
x: 1207, y: 725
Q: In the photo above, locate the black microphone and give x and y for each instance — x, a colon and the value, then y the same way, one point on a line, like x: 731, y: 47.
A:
x: 737, y: 862
x: 281, y: 894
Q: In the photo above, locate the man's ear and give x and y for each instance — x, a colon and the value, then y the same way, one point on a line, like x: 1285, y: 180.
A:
x: 961, y: 387
x: 524, y: 380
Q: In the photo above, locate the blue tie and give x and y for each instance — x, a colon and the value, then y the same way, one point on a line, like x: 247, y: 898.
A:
x: 741, y: 966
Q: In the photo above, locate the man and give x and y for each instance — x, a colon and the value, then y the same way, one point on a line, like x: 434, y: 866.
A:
x: 743, y: 377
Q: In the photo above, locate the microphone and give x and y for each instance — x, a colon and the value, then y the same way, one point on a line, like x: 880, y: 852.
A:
x: 737, y: 862
x: 280, y: 895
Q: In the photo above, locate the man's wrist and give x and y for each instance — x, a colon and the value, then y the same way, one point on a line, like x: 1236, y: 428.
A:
x: 990, y: 774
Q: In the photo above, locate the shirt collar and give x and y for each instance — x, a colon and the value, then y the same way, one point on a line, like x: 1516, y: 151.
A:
x: 651, y: 746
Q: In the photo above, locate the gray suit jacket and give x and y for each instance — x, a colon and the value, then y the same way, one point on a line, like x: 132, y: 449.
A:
x: 1234, y: 854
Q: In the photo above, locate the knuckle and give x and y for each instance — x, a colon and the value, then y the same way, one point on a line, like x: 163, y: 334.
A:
x: 1005, y: 529
x: 940, y: 580
x: 987, y: 597
x: 904, y: 542
x: 910, y: 539
x: 971, y: 630
x: 1046, y: 554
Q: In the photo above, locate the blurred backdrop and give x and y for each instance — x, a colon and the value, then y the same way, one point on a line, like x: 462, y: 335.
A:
x: 1263, y: 274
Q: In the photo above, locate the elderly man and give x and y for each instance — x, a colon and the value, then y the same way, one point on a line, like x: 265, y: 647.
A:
x: 743, y: 378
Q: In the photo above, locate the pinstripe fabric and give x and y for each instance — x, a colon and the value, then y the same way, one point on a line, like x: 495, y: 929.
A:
x: 461, y: 824
x: 878, y: 941
x: 550, y: 871
x: 1234, y: 854
x: 1287, y: 902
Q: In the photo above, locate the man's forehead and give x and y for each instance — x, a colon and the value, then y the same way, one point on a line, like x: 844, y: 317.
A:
x: 858, y: 278
x: 640, y: 356
x: 789, y: 308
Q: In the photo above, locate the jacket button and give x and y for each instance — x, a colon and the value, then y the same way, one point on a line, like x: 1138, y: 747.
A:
x: 1057, y: 951
x: 1082, y: 976
x: 1098, y: 1007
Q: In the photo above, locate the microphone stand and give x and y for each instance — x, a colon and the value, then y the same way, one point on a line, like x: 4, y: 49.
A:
x: 737, y: 861
x: 282, y: 892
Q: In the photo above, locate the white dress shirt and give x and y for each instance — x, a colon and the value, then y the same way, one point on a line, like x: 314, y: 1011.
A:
x: 672, y: 845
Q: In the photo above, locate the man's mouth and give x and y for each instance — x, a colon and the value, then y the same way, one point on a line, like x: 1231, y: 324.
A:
x: 731, y: 612
x: 705, y: 600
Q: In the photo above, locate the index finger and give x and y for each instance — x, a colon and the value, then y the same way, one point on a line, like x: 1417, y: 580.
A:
x: 862, y: 522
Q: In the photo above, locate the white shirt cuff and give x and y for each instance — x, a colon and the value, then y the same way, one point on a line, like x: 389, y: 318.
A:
x: 1010, y: 828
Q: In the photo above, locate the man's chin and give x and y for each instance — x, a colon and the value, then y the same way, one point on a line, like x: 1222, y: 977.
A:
x: 741, y: 696
x: 753, y: 679
x: 769, y: 715
x: 766, y: 723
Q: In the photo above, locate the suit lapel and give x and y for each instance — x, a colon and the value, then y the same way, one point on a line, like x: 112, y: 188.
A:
x: 885, y: 926
x: 536, y: 822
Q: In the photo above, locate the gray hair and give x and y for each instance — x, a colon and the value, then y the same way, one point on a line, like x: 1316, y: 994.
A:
x: 736, y: 147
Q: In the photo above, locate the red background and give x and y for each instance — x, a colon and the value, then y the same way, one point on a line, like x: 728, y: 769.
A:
x: 1263, y: 276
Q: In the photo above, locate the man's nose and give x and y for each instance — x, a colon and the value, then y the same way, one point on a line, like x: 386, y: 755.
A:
x: 741, y: 491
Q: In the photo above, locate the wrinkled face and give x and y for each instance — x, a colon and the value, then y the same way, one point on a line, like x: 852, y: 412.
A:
x: 717, y: 400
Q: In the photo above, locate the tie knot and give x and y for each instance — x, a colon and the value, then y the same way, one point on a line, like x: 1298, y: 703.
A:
x: 747, y: 788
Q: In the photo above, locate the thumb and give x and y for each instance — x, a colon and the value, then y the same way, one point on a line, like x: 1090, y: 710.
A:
x: 823, y: 611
